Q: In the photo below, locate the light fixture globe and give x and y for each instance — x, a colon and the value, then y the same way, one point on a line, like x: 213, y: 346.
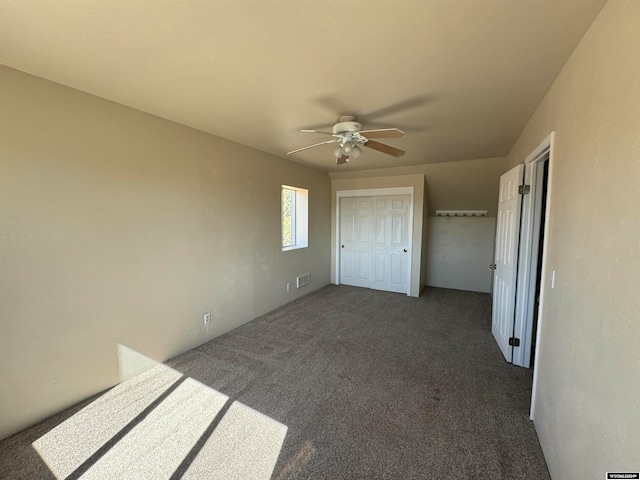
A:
x: 337, y: 152
x: 356, y: 151
x: 346, y: 148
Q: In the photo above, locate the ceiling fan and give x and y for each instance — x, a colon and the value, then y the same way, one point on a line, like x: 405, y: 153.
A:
x: 350, y: 137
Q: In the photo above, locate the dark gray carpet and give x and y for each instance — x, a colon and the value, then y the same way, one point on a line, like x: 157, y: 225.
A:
x: 372, y: 385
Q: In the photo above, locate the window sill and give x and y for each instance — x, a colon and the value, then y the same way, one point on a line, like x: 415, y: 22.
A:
x: 293, y: 247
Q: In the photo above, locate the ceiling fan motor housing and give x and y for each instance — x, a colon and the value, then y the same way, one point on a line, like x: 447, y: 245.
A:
x: 345, y: 127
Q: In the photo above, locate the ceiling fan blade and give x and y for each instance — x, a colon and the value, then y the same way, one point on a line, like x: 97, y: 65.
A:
x: 342, y: 160
x: 333, y: 104
x: 400, y: 107
x: 316, y: 131
x: 388, y: 149
x: 383, y: 133
x: 315, y: 145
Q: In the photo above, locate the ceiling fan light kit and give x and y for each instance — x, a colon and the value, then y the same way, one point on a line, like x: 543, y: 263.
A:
x: 350, y: 137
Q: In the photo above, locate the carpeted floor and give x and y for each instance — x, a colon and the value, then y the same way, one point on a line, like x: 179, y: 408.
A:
x: 371, y: 385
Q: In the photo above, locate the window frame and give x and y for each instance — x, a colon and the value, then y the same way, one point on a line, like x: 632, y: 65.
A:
x: 299, y: 218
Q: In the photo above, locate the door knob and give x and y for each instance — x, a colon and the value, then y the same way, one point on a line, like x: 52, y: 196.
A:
x: 341, y: 246
x: 492, y: 266
x: 405, y: 250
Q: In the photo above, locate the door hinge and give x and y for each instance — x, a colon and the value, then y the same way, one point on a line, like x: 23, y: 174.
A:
x: 515, y: 342
x: 524, y: 189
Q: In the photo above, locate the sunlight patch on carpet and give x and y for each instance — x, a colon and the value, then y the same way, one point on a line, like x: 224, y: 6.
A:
x: 155, y: 447
x: 157, y: 423
x: 245, y: 445
x: 71, y: 443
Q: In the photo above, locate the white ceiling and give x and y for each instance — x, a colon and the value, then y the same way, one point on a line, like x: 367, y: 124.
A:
x: 461, y: 77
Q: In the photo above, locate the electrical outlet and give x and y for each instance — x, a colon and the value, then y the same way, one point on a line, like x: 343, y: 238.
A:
x: 207, y: 318
x: 288, y: 286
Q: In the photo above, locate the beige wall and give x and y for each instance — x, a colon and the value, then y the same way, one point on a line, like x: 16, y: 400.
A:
x: 118, y: 227
x: 463, y: 185
x: 459, y: 253
x: 587, y: 404
x: 415, y: 181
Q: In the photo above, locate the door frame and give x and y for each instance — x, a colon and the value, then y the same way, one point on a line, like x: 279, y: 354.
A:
x: 527, y: 260
x: 370, y: 192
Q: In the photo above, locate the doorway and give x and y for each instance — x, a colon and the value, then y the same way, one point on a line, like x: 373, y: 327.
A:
x: 532, y: 254
x: 540, y: 244
x: 517, y: 310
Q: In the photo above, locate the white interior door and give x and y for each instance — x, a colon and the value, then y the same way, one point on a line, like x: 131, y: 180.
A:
x: 506, y: 259
x: 390, y: 259
x: 355, y: 241
x: 374, y: 242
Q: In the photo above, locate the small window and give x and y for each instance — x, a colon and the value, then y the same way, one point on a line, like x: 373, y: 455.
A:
x: 294, y: 202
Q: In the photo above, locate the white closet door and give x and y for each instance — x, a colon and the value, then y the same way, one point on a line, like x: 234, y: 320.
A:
x: 374, y: 242
x: 355, y: 241
x: 390, y: 243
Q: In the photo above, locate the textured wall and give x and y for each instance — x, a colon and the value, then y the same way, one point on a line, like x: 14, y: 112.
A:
x: 587, y: 401
x: 118, y: 227
x: 463, y: 185
x: 459, y: 253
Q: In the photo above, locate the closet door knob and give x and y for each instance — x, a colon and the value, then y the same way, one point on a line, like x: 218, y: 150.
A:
x: 492, y: 266
x: 342, y: 246
x: 405, y: 250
